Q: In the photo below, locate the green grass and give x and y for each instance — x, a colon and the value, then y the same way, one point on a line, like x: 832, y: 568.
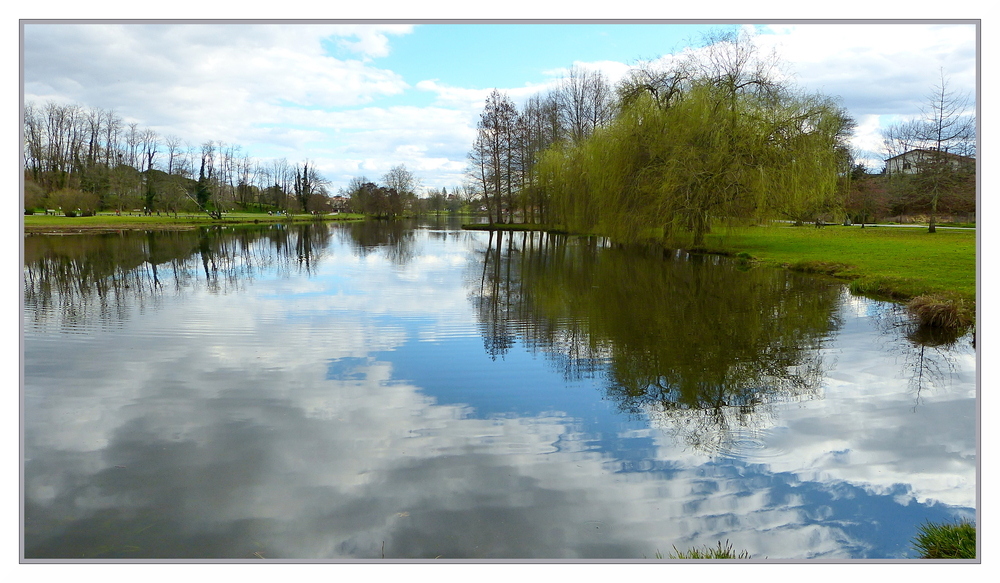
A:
x: 707, y: 552
x: 110, y: 221
x: 946, y: 541
x: 899, y: 263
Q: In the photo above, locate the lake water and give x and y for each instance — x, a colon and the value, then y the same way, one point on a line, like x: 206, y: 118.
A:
x: 376, y: 389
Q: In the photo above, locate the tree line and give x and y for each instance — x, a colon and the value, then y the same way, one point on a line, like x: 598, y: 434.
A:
x: 716, y: 136
x: 396, y: 195
x: 84, y: 160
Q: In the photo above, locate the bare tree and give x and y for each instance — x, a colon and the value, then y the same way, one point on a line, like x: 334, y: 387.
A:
x: 173, y: 145
x: 492, y: 155
x: 941, y: 140
x: 585, y: 99
x: 400, y: 179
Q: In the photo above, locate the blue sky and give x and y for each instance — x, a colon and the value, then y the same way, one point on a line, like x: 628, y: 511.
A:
x: 512, y: 55
x: 356, y: 100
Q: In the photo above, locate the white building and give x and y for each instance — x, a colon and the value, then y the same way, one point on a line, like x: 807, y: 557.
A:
x: 910, y: 162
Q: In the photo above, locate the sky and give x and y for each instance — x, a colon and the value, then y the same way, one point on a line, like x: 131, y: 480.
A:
x: 356, y: 100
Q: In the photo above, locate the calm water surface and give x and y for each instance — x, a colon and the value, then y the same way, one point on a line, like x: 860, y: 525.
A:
x: 375, y: 389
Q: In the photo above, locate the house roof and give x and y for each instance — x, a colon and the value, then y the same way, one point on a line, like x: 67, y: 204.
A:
x: 929, y: 151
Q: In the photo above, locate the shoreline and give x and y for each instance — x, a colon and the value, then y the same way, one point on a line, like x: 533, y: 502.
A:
x: 60, y: 225
x: 892, y: 264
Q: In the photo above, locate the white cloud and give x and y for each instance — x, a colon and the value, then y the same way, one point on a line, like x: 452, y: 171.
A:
x: 879, y: 69
x: 204, y: 81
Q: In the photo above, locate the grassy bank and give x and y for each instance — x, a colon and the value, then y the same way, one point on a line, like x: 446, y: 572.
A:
x: 935, y: 272
x: 901, y: 263
x: 109, y: 221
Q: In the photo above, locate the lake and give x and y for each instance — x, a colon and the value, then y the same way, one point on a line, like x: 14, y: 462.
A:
x: 412, y: 390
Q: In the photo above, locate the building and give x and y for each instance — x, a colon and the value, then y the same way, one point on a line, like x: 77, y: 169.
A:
x: 910, y: 162
x: 339, y: 203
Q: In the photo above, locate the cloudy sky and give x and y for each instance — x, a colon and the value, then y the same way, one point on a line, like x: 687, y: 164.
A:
x: 359, y: 99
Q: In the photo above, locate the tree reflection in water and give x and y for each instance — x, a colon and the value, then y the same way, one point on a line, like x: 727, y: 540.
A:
x: 394, y: 238
x: 698, y: 346
x: 928, y: 352
x: 79, y: 278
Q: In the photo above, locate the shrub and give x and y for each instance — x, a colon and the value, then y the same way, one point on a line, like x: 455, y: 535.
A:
x: 34, y: 196
x: 74, y: 202
x: 946, y: 541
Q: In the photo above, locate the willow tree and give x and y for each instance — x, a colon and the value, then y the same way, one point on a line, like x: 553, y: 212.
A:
x: 718, y: 138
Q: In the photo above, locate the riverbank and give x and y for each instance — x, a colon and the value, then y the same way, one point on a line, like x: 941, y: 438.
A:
x: 112, y: 222
x: 900, y: 263
x: 892, y: 263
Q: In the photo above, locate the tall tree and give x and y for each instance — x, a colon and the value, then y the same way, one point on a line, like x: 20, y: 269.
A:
x: 303, y: 186
x: 205, y: 188
x: 947, y: 128
x: 150, y: 145
x: 493, y: 152
x: 400, y: 180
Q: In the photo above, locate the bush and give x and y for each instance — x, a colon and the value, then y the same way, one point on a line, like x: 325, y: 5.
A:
x: 34, y: 196
x: 74, y: 202
x: 946, y: 541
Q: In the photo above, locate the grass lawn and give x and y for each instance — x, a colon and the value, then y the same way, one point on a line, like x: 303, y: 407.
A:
x: 909, y: 261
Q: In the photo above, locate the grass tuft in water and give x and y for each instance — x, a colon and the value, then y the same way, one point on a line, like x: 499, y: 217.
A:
x: 941, y: 311
x: 946, y: 541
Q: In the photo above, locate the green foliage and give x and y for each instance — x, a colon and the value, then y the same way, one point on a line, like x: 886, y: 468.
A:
x: 377, y: 201
x: 34, y: 196
x: 946, y: 541
x: 707, y: 552
x: 715, y: 150
x: 73, y: 202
